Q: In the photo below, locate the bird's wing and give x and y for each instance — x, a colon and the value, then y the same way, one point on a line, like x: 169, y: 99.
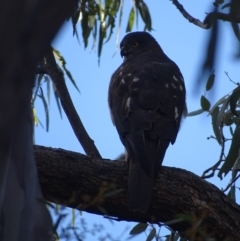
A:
x: 146, y: 103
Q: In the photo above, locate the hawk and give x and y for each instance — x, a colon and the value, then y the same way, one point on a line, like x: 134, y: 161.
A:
x: 147, y: 102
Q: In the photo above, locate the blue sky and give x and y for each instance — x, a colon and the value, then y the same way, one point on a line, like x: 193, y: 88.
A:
x: 183, y: 43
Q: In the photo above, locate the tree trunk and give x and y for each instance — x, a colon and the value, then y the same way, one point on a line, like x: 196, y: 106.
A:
x: 27, y: 28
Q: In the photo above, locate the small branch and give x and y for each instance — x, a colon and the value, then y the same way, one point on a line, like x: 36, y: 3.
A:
x: 209, y: 19
x: 57, y: 77
x: 190, y: 18
x: 226, y: 73
x: 230, y: 184
x: 216, y: 165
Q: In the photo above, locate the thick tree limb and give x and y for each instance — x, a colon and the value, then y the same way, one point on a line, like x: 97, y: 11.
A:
x: 56, y: 75
x: 85, y: 183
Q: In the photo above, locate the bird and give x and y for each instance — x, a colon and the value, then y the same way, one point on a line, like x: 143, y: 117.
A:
x: 147, y: 101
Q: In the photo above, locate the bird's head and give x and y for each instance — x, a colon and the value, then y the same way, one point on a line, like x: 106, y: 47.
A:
x: 136, y: 43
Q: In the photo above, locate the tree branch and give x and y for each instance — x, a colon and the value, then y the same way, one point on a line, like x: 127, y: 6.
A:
x: 209, y: 19
x: 99, y: 187
x: 57, y: 77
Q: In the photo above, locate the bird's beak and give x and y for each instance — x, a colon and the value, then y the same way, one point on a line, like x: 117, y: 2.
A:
x: 122, y: 51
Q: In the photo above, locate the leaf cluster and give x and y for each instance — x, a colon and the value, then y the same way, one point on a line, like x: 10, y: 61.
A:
x: 99, y: 19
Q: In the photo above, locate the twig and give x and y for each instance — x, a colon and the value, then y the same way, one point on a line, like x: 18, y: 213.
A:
x: 190, y: 18
x: 119, y: 28
x: 230, y: 184
x: 216, y: 165
x: 57, y: 77
x: 209, y: 19
x: 226, y: 73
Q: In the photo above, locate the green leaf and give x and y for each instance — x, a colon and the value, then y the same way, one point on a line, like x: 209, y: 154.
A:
x: 233, y: 100
x: 151, y: 235
x: 94, y: 33
x: 35, y: 118
x: 75, y: 18
x: 102, y: 210
x: 222, y: 111
x: 36, y: 88
x: 232, y: 154
x: 57, y: 100
x: 194, y: 113
x: 85, y: 28
x: 236, y: 30
x: 220, y: 101
x: 102, y: 35
x: 139, y: 228
x: 172, y: 237
x: 215, y: 125
x: 210, y: 82
x: 232, y: 193
x: 69, y: 75
x: 131, y: 18
x: 184, y: 217
x: 63, y: 64
x: 228, y: 120
x: 205, y: 104
x: 42, y: 97
x: 168, y: 237
x: 145, y: 14
x: 176, y: 237
x: 111, y: 23
x: 177, y: 220
x: 48, y: 82
x: 114, y: 7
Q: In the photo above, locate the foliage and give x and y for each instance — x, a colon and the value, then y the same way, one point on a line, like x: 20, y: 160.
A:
x: 72, y: 226
x: 100, y: 17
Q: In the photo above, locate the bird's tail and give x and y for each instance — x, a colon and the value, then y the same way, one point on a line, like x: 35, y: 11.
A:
x: 140, y: 187
x: 140, y: 182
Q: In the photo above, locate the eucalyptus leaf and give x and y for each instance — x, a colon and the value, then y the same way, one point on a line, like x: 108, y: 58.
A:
x: 57, y: 101
x: 145, y: 14
x: 236, y: 30
x: 205, y: 104
x: 194, y: 113
x: 234, y: 97
x: 139, y: 228
x: 42, y: 97
x: 222, y: 111
x: 131, y: 19
x: 216, y: 127
x: 151, y: 235
x: 232, y: 154
x: 63, y: 64
x: 219, y: 102
x: 210, y: 82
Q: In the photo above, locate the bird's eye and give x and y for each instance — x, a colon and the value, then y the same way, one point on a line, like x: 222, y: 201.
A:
x: 134, y: 44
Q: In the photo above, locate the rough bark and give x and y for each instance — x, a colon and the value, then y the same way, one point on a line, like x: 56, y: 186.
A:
x: 99, y: 187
